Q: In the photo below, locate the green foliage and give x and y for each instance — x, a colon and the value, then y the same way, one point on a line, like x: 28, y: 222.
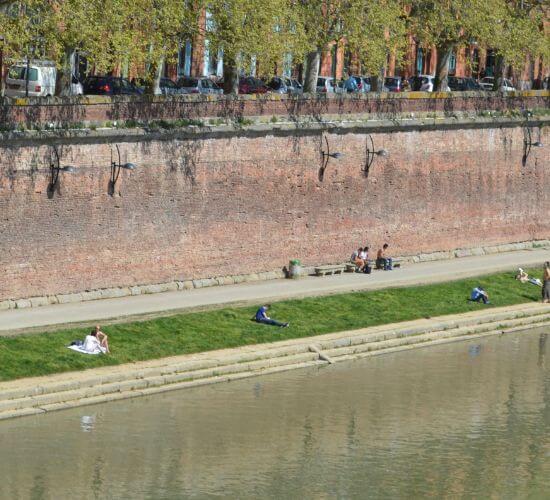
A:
x: 146, y: 33
x: 253, y: 32
x: 30, y: 30
x: 33, y: 355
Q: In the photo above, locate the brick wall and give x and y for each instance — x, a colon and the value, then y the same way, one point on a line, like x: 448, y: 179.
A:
x: 240, y: 203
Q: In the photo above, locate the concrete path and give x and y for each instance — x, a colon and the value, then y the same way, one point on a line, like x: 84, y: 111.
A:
x: 18, y: 320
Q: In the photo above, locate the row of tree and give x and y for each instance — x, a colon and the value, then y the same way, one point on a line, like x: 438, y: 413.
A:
x: 147, y: 33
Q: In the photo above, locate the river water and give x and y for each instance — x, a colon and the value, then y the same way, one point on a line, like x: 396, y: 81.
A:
x: 460, y: 420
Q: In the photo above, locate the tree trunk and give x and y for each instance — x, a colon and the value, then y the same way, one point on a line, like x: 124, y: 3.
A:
x: 64, y: 75
x: 499, y: 72
x: 230, y: 75
x: 154, y: 76
x: 377, y: 81
x: 313, y: 60
x: 441, y: 83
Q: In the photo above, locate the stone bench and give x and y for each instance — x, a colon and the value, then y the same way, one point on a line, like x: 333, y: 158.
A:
x: 396, y: 262
x: 331, y: 269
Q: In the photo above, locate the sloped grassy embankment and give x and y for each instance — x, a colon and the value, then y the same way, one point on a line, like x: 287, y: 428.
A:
x: 43, y: 354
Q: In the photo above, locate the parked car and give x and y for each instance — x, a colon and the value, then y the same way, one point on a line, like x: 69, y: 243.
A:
x: 424, y: 83
x: 252, y: 85
x: 188, y: 85
x: 110, y: 85
x: 325, y: 84
x: 169, y: 87
x: 462, y: 84
x: 488, y: 83
x: 41, y: 76
x: 285, y: 85
x: 393, y: 84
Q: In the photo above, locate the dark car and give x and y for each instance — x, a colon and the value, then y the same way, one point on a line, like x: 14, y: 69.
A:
x: 109, y: 85
x: 251, y: 85
x: 393, y: 84
x: 462, y: 84
x: 285, y: 85
x: 190, y: 85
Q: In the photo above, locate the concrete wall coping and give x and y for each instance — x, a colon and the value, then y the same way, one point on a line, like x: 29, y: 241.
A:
x: 334, y: 124
x: 97, y: 100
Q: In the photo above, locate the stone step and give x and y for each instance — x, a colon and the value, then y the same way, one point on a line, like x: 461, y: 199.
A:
x: 396, y: 339
x: 170, y: 373
x: 137, y: 384
x: 53, y: 405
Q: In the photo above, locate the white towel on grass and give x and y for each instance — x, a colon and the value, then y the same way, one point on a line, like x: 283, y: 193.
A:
x: 91, y: 346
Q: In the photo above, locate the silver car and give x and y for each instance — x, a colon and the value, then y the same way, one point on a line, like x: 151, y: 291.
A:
x: 325, y: 84
x: 190, y: 85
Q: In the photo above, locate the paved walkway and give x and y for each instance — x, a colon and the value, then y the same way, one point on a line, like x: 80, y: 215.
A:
x: 257, y: 292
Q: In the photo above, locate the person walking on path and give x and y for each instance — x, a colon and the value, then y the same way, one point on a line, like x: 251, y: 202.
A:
x: 546, y: 283
x: 262, y: 317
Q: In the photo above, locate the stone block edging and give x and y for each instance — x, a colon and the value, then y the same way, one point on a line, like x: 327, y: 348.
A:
x: 172, y: 286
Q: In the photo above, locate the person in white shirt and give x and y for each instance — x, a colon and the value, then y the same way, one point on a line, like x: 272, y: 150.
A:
x: 357, y: 260
x: 96, y: 341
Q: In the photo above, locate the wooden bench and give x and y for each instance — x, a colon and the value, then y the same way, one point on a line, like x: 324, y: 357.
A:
x: 331, y: 269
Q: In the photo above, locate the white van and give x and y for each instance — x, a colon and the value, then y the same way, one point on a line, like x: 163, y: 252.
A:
x: 42, y: 76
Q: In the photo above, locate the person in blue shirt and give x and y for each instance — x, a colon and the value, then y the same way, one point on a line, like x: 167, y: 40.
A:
x: 262, y: 317
x: 478, y: 294
x: 350, y: 84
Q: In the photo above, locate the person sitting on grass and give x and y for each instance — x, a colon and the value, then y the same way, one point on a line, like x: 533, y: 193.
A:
x: 97, y: 338
x: 382, y: 260
x: 478, y: 294
x: 262, y: 317
x: 96, y: 342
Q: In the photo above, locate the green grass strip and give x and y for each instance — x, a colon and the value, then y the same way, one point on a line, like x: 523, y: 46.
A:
x: 43, y: 354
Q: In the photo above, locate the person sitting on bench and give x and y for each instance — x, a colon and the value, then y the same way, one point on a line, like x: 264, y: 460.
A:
x: 478, y: 294
x: 357, y: 260
x: 382, y: 260
x: 262, y: 317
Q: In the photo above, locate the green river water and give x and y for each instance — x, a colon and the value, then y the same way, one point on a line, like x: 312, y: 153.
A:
x: 461, y: 420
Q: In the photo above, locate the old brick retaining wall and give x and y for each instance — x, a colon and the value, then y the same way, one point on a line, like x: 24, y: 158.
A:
x: 208, y: 202
x: 95, y: 109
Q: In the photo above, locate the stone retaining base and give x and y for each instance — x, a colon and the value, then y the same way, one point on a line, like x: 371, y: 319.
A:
x: 68, y: 390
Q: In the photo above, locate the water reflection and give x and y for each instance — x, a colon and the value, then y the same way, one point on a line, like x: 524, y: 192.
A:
x: 423, y: 423
x: 87, y: 423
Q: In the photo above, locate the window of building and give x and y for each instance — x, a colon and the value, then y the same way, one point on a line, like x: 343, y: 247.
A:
x: 419, y: 60
x: 452, y: 63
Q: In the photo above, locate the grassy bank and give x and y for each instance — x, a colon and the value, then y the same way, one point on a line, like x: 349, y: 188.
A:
x: 32, y: 355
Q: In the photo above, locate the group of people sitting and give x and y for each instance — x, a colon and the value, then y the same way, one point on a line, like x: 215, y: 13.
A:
x: 362, y: 263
